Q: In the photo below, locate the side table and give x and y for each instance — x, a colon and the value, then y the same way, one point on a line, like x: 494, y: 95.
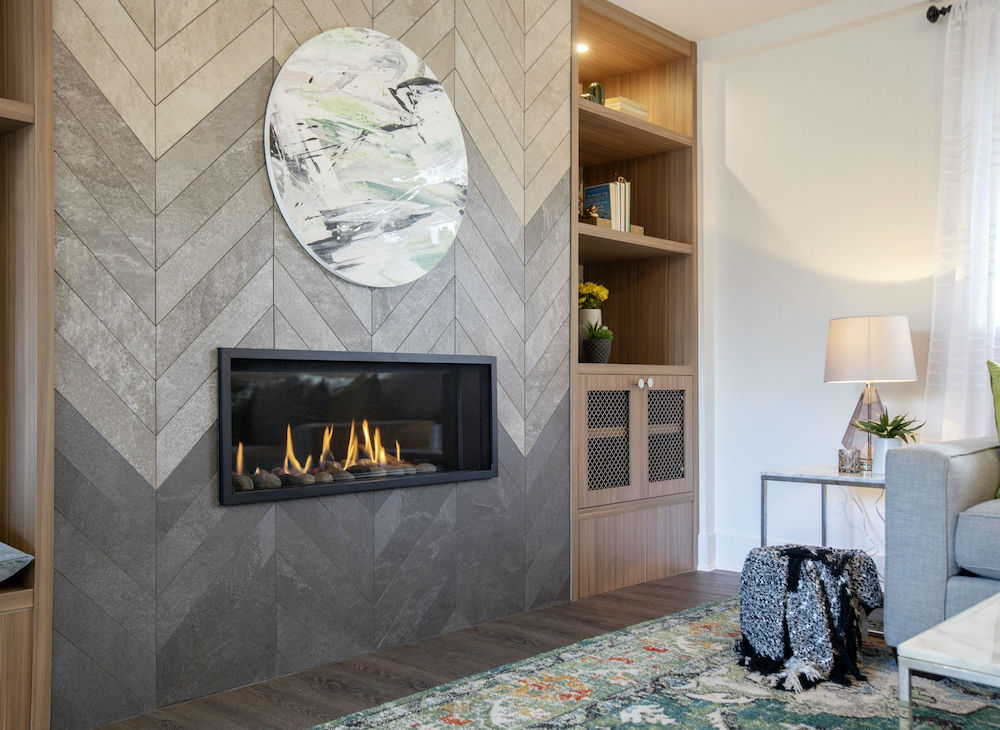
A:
x: 821, y: 475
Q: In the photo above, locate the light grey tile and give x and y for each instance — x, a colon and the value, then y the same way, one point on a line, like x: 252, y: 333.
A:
x: 94, y: 169
x: 83, y: 564
x: 435, y: 322
x: 95, y: 343
x: 202, y: 198
x: 552, y: 324
x: 551, y: 253
x: 493, y: 312
x: 261, y: 335
x: 179, y: 166
x: 556, y: 283
x: 82, y: 97
x: 555, y: 357
x: 319, y: 289
x: 548, y: 401
x: 478, y: 330
x: 95, y: 228
x: 492, y: 192
x: 179, y: 382
x: 300, y: 315
x: 445, y: 344
x: 184, y: 430
x: 105, y: 296
x: 210, y: 296
x: 421, y: 295
x: 285, y: 336
x: 96, y: 402
x: 557, y: 204
x: 182, y: 271
x: 495, y: 260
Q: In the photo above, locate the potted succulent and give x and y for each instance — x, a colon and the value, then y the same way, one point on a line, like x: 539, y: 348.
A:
x: 891, y: 434
x: 597, y: 344
x: 591, y: 297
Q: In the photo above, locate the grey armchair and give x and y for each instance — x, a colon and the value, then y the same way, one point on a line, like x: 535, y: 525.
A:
x: 942, y: 533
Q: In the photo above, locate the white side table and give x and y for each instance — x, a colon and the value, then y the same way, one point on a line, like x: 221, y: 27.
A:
x: 821, y: 475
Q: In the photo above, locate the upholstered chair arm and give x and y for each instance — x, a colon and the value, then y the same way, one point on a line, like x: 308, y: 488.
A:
x: 927, y: 486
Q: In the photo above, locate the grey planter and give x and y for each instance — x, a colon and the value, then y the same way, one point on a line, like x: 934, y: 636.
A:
x: 594, y: 350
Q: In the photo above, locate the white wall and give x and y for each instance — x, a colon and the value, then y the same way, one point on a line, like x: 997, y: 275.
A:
x: 820, y: 140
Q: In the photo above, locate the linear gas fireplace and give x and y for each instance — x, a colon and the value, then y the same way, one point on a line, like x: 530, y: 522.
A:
x: 300, y: 423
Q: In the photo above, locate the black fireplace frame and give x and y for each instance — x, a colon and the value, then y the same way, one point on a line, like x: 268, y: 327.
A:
x: 229, y: 496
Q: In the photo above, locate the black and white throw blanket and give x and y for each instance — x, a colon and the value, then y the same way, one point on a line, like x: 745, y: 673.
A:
x: 803, y: 613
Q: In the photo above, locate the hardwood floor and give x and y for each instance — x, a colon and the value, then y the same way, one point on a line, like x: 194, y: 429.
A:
x: 330, y: 691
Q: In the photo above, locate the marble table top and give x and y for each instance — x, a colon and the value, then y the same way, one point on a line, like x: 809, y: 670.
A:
x: 969, y: 640
x: 824, y: 475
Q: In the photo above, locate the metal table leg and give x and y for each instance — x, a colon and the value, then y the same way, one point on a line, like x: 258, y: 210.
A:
x: 905, y: 706
x: 763, y: 512
x: 822, y: 489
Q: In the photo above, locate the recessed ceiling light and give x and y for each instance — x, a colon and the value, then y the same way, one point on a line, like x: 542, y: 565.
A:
x: 582, y: 48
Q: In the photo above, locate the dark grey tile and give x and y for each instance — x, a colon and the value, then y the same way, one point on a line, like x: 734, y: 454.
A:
x: 187, y: 481
x: 123, y: 532
x: 95, y: 633
x: 544, y: 491
x: 490, y: 523
x: 402, y: 517
x: 191, y: 616
x: 546, y: 217
x: 420, y: 583
x: 67, y: 716
x: 90, y: 696
x: 82, y: 563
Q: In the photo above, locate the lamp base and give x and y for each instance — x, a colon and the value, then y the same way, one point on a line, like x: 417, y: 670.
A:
x: 869, y: 408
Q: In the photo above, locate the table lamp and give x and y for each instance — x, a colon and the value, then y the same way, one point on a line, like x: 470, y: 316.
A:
x: 868, y: 350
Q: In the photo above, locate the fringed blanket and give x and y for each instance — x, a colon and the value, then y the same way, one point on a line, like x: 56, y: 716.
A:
x: 803, y: 613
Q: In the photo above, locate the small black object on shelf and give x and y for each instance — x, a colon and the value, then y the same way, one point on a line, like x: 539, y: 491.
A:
x: 934, y: 12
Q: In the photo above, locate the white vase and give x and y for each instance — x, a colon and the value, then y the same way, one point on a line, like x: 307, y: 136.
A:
x: 588, y: 316
x: 879, y: 449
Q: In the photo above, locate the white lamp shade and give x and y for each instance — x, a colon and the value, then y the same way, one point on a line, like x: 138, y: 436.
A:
x: 869, y: 350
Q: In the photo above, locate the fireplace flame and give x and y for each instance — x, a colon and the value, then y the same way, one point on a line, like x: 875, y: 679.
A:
x: 292, y: 465
x: 239, y: 459
x: 326, y: 457
x: 398, y: 457
x: 352, y: 449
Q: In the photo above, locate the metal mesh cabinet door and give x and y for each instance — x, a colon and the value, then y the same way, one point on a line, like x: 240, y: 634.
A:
x: 667, y: 437
x: 608, y: 471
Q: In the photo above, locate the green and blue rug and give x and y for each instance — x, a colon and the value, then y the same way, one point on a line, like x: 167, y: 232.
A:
x: 678, y: 671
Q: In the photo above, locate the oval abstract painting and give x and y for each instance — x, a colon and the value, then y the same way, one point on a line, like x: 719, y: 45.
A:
x: 366, y: 157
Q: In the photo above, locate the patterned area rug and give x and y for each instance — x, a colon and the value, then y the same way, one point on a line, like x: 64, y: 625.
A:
x: 676, y: 671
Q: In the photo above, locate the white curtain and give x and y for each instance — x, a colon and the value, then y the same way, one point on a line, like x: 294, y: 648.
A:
x: 966, y: 311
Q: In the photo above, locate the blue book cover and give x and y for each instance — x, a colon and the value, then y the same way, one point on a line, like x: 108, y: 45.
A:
x: 599, y: 195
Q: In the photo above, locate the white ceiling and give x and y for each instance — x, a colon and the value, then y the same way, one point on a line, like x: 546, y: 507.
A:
x: 699, y: 20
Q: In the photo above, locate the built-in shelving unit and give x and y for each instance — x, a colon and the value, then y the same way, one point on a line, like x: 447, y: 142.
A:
x: 26, y: 372
x: 634, y: 455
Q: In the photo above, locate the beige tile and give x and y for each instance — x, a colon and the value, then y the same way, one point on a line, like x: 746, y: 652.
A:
x: 400, y: 16
x: 552, y: 58
x: 467, y: 107
x: 77, y: 382
x: 434, y: 27
x: 104, y: 67
x: 172, y: 15
x: 543, y: 106
x: 479, y: 59
x: 213, y: 82
x: 545, y: 32
x: 299, y: 314
x: 284, y: 42
x: 143, y: 13
x: 327, y: 15
x: 201, y: 39
x: 500, y: 45
x: 297, y: 19
x: 548, y: 176
x: 547, y: 140
x: 535, y: 9
x: 354, y: 12
x: 124, y: 37
x: 441, y: 58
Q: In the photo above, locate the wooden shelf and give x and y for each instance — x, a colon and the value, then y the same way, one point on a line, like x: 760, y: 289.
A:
x: 16, y: 598
x: 621, y: 42
x: 15, y: 114
x: 600, y: 245
x: 607, y: 135
x: 637, y: 369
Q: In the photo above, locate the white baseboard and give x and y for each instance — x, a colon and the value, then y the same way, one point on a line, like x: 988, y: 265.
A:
x: 706, y: 551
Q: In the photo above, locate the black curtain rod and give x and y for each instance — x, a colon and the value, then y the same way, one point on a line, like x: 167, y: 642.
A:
x: 934, y: 12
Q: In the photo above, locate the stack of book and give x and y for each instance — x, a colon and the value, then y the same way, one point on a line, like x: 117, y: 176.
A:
x: 621, y: 104
x: 613, y: 201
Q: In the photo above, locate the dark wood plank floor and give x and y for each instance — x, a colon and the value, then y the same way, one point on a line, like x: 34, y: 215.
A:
x: 333, y: 690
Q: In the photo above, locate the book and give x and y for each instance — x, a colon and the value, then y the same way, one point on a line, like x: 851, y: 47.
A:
x: 606, y: 198
x: 627, y: 106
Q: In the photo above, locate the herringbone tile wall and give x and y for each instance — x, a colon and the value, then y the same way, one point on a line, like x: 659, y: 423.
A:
x: 168, y: 246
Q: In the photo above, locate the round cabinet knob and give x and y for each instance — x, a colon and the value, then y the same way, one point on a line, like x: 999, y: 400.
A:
x: 649, y: 382
x: 642, y: 383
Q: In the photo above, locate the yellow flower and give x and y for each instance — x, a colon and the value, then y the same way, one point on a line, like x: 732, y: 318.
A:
x: 591, y: 295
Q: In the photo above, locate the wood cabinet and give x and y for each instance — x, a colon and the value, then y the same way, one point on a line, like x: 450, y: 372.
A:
x: 634, y: 449
x: 26, y: 373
